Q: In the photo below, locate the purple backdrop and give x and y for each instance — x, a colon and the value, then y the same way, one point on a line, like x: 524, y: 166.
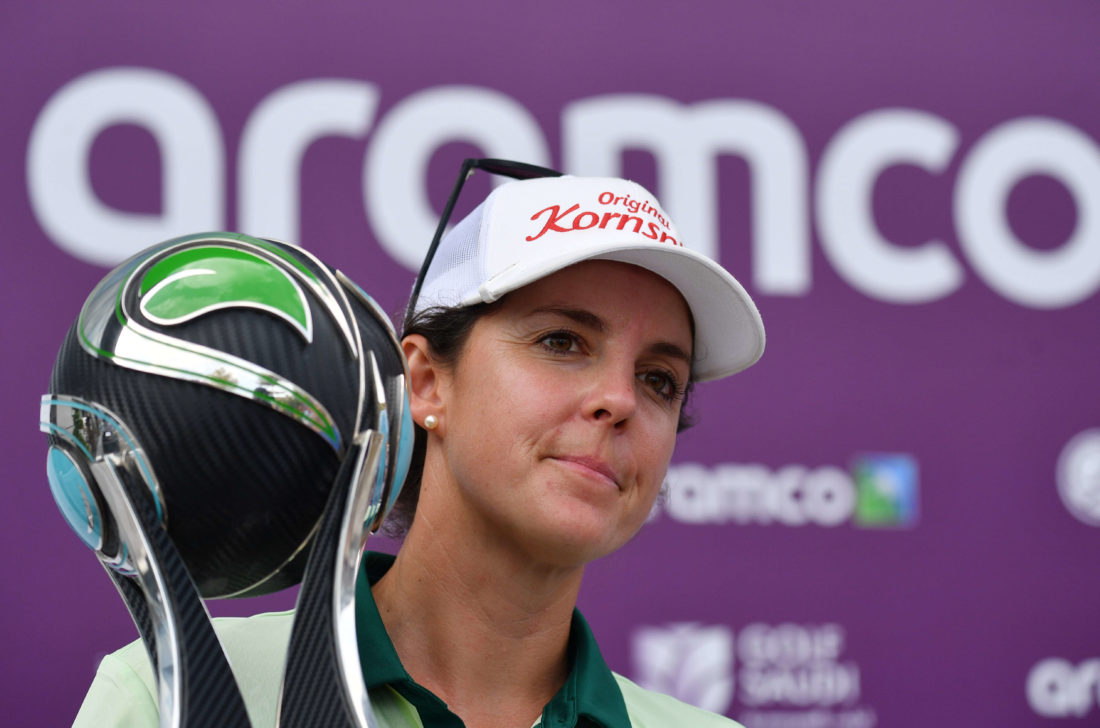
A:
x: 892, y: 520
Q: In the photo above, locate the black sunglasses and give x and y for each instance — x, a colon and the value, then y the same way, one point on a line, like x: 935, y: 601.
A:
x: 502, y: 167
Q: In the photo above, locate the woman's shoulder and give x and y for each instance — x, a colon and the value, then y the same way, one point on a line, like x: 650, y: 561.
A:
x: 124, y: 689
x: 650, y: 709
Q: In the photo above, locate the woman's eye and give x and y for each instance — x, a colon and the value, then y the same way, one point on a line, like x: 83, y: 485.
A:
x: 662, y: 383
x: 559, y: 341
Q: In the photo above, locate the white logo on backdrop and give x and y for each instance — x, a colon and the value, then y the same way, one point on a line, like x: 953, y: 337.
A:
x: 793, y: 495
x: 879, y: 491
x: 1057, y: 688
x: 688, y: 661
x: 1078, y: 476
x: 786, y: 674
x: 789, y: 199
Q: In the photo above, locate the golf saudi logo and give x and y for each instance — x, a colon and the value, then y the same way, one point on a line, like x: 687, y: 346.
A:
x: 690, y: 661
x: 764, y: 675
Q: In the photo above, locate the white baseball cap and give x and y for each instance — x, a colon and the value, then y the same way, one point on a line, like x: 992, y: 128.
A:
x: 529, y: 229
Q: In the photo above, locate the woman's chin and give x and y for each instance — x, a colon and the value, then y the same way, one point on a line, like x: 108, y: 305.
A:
x: 574, y: 536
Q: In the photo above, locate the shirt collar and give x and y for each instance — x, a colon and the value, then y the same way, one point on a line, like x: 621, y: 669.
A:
x: 590, y: 690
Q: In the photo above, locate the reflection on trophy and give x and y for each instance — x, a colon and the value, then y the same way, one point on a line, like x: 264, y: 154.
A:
x: 227, y: 417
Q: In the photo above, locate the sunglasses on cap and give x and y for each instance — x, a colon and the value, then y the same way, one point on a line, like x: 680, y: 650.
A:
x: 500, y: 167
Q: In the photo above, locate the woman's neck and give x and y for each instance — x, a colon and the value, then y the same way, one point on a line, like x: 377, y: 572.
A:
x: 489, y: 631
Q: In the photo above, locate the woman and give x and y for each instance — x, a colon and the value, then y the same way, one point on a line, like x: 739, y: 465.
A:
x: 554, y: 339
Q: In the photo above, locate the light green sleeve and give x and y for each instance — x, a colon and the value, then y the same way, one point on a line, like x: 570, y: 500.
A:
x: 123, y: 693
x: 648, y: 709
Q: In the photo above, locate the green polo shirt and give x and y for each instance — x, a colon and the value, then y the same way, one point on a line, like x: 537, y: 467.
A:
x: 590, y: 695
x: 123, y: 693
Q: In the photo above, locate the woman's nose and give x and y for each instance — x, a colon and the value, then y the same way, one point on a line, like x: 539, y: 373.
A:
x: 613, y: 397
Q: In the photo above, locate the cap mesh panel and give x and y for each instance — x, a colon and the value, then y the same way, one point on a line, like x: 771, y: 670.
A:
x: 455, y: 271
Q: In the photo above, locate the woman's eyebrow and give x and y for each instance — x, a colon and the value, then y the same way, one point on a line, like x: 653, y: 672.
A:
x: 669, y: 349
x: 580, y: 315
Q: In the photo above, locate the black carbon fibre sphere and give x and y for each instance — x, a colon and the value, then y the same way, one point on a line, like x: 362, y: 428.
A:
x: 173, y: 342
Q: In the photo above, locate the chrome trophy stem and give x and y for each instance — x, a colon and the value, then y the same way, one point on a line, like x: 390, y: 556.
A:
x: 195, y: 684
x: 323, y: 680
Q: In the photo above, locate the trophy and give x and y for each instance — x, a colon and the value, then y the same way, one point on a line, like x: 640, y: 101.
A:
x: 227, y: 417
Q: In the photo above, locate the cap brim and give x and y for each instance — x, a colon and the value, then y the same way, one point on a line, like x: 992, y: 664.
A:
x: 729, y: 334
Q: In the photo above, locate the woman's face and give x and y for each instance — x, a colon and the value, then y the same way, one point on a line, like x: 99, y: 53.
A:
x: 559, y: 419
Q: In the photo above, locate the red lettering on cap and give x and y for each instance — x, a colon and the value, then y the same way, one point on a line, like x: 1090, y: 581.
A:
x: 643, y: 207
x: 552, y: 222
x: 560, y: 221
x: 591, y: 220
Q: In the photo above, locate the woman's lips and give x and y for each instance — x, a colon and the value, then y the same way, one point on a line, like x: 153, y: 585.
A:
x: 591, y: 466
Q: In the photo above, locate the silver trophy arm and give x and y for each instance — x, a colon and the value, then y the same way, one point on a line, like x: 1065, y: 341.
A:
x: 195, y: 684
x: 323, y: 679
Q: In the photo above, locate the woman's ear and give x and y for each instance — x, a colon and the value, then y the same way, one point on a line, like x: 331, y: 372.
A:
x: 426, y: 385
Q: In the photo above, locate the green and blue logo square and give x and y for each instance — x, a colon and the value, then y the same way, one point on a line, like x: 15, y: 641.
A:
x: 887, y: 491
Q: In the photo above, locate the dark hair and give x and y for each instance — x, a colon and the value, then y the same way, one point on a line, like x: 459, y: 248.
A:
x: 446, y: 331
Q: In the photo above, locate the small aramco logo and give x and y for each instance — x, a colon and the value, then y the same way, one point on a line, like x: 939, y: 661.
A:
x: 1078, y: 475
x: 1057, y: 688
x: 879, y: 490
x: 887, y: 490
x: 687, y: 660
